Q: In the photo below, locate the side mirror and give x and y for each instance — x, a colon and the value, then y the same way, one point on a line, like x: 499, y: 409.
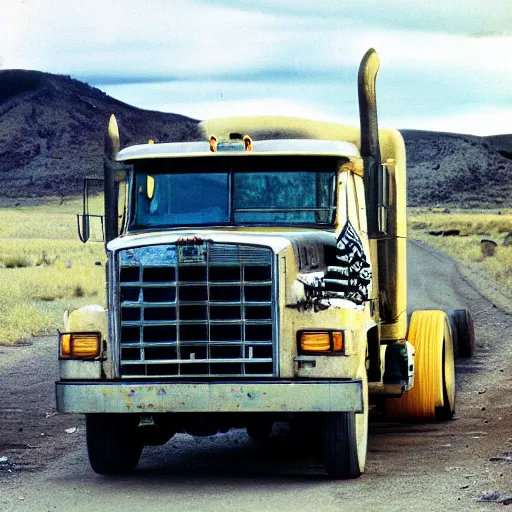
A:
x: 83, y: 227
x: 84, y: 219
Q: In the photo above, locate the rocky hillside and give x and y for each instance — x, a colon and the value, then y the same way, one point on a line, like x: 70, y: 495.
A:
x: 52, y: 132
x: 52, y: 128
x: 450, y: 169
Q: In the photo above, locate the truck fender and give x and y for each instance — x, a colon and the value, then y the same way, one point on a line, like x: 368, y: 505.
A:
x: 86, y: 319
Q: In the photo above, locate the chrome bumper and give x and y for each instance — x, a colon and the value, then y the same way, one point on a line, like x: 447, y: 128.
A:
x: 283, y: 396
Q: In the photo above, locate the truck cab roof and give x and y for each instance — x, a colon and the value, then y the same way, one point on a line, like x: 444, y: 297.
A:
x: 280, y: 147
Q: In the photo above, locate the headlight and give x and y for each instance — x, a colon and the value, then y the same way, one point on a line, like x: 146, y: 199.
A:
x: 331, y: 341
x: 80, y: 345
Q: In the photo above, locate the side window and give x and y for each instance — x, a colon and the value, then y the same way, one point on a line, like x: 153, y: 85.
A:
x: 341, y: 210
x: 361, y: 202
x: 353, y: 208
x: 122, y: 191
x: 352, y: 202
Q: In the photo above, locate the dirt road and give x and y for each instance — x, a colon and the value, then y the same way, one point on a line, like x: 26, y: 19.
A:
x: 439, y: 466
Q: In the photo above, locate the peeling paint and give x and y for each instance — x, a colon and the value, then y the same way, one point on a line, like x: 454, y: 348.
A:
x: 151, y: 255
x: 345, y: 280
x: 315, y: 304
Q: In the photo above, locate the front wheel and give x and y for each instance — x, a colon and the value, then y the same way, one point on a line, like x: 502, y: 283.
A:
x: 114, y: 444
x: 340, y: 446
x: 345, y: 438
x: 259, y: 431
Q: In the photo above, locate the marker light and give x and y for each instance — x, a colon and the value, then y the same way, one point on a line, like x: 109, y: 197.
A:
x: 247, y: 143
x: 337, y: 341
x: 83, y: 345
x: 321, y: 341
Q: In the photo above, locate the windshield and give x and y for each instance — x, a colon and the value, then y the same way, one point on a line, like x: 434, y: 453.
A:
x: 232, y: 197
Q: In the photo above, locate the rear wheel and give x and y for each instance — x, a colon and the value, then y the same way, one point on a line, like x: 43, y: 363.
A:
x: 463, y: 330
x: 114, y: 444
x: 433, y: 394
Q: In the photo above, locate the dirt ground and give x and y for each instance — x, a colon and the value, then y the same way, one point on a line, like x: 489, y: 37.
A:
x: 464, y: 464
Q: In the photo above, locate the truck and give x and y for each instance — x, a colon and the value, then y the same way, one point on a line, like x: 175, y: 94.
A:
x: 256, y: 276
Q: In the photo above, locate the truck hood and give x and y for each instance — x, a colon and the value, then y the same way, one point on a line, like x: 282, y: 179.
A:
x: 309, y: 246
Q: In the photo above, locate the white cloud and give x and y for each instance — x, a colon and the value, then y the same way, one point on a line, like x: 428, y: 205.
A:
x: 483, y: 120
x: 134, y: 36
x: 472, y: 17
x: 195, y: 38
x: 305, y: 54
x: 319, y: 101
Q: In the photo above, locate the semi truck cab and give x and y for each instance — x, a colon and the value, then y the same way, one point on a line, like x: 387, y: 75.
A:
x: 252, y: 278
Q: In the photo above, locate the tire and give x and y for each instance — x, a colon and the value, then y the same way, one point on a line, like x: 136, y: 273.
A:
x: 113, y: 442
x: 447, y: 410
x: 259, y: 432
x: 433, y: 394
x: 345, y: 438
x: 340, y: 446
x: 463, y: 330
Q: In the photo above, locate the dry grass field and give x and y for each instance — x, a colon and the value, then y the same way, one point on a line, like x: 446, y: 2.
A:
x: 44, y: 269
x: 465, y: 247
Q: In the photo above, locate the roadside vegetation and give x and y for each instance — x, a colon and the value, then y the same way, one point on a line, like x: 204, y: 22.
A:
x: 459, y: 233
x: 44, y: 269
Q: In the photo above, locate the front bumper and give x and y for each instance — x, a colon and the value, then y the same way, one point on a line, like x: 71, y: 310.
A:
x: 191, y: 397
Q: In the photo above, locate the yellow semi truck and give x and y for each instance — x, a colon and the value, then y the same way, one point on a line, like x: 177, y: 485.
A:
x: 256, y: 276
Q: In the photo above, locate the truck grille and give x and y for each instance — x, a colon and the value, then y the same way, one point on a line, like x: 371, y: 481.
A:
x: 196, y: 311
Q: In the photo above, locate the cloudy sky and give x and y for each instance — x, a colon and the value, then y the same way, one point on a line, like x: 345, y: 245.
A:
x: 445, y: 64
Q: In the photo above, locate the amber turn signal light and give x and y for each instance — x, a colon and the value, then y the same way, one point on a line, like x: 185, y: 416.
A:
x: 337, y: 341
x: 321, y: 341
x: 83, y: 345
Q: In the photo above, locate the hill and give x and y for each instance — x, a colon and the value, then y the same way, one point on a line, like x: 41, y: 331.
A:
x: 52, y: 129
x: 450, y: 169
x: 502, y: 144
x: 52, y: 132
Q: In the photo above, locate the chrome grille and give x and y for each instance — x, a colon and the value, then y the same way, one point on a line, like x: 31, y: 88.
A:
x: 196, y: 311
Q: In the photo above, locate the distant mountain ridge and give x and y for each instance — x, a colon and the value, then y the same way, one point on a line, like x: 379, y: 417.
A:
x: 52, y: 129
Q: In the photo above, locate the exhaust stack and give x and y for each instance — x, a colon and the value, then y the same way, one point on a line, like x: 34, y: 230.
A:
x: 370, y: 148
